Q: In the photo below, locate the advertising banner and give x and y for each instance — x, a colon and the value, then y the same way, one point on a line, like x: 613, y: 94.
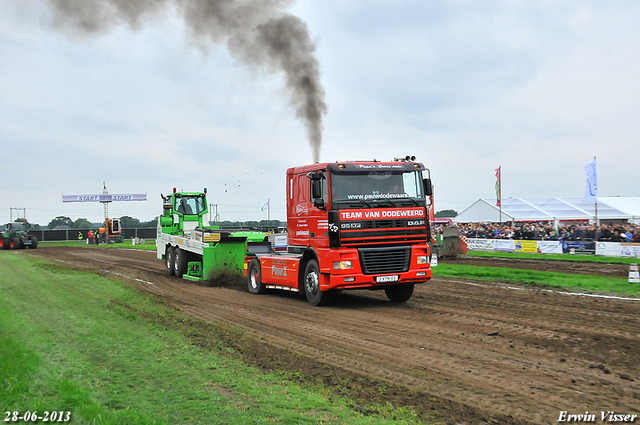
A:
x: 616, y: 249
x: 550, y: 247
x: 526, y: 246
x: 507, y: 245
x: 608, y: 249
x: 474, y: 244
x: 384, y: 213
x: 630, y: 250
x: 579, y: 247
x: 280, y: 241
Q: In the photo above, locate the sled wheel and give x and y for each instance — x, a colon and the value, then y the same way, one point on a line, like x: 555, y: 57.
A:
x: 180, y: 259
x: 169, y: 260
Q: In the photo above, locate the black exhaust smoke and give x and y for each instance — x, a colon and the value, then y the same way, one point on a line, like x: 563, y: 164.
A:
x: 256, y: 32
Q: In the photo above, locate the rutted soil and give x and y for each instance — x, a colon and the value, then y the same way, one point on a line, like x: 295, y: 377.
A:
x: 470, y: 352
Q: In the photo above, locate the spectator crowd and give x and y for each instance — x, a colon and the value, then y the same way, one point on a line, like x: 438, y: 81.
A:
x: 546, y: 231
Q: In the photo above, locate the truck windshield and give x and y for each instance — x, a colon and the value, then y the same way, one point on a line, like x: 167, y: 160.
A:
x: 190, y: 204
x: 376, y: 186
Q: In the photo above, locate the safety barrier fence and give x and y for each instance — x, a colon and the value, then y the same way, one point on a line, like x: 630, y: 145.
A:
x: 607, y: 249
x: 72, y: 234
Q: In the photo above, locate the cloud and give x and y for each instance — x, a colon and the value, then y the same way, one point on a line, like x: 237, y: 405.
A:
x: 538, y: 88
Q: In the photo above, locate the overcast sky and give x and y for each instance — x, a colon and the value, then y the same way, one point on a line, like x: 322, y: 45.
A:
x: 538, y: 88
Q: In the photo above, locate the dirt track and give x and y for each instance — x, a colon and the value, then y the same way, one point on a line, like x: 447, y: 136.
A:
x: 485, y: 352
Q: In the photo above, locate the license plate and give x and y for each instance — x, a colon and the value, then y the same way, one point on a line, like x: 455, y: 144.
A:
x: 384, y: 279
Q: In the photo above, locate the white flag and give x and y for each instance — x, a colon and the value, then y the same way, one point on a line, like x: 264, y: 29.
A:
x: 591, y: 189
x: 265, y: 206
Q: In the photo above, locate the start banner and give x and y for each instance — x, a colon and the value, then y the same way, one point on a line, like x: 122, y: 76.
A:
x: 104, y: 198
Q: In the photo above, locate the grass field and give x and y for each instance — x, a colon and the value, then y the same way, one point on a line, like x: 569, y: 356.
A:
x: 556, y: 257
x: 79, y: 343
x: 576, y: 282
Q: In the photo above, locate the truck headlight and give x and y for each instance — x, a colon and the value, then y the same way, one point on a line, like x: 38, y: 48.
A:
x: 423, y: 259
x: 342, y: 265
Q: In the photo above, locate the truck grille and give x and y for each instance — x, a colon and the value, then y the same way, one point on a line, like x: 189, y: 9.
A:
x: 385, y: 260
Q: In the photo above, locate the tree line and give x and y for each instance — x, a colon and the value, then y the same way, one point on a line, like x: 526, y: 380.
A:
x: 128, y: 222
x: 82, y: 223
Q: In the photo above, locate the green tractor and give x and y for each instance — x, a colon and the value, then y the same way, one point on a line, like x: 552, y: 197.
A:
x: 14, y: 236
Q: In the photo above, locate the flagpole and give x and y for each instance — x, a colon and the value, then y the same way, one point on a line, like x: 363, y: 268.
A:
x: 269, y: 210
x: 500, y: 190
x: 597, y: 224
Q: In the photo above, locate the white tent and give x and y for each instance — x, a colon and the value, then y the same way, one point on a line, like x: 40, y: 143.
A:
x: 552, y: 209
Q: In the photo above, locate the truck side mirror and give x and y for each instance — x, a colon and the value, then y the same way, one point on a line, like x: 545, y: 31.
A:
x: 316, y: 193
x: 428, y: 187
x: 316, y: 189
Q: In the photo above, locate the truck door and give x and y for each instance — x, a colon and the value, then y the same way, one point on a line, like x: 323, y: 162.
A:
x: 298, y: 211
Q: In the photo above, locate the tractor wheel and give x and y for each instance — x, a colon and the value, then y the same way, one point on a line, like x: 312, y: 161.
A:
x: 4, y: 242
x: 34, y: 242
x: 15, y: 243
x: 180, y: 262
x: 311, y: 285
x: 400, y: 293
x: 169, y: 259
x: 254, y: 278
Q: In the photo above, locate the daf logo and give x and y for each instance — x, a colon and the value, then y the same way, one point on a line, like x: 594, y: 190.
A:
x: 415, y: 223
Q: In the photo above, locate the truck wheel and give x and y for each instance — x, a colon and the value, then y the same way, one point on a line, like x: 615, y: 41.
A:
x: 400, y: 293
x: 254, y: 278
x: 169, y: 257
x: 34, y: 242
x: 180, y: 261
x: 311, y: 285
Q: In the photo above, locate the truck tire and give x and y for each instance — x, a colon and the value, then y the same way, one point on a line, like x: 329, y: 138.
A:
x: 311, y: 284
x: 400, y: 293
x: 254, y: 278
x: 34, y: 243
x: 180, y: 260
x: 169, y: 259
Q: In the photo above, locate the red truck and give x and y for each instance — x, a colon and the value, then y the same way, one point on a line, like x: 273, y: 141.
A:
x: 350, y: 225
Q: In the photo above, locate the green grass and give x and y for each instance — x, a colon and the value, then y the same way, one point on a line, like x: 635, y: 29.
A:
x: 78, y: 342
x: 580, y: 282
x: 556, y: 257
